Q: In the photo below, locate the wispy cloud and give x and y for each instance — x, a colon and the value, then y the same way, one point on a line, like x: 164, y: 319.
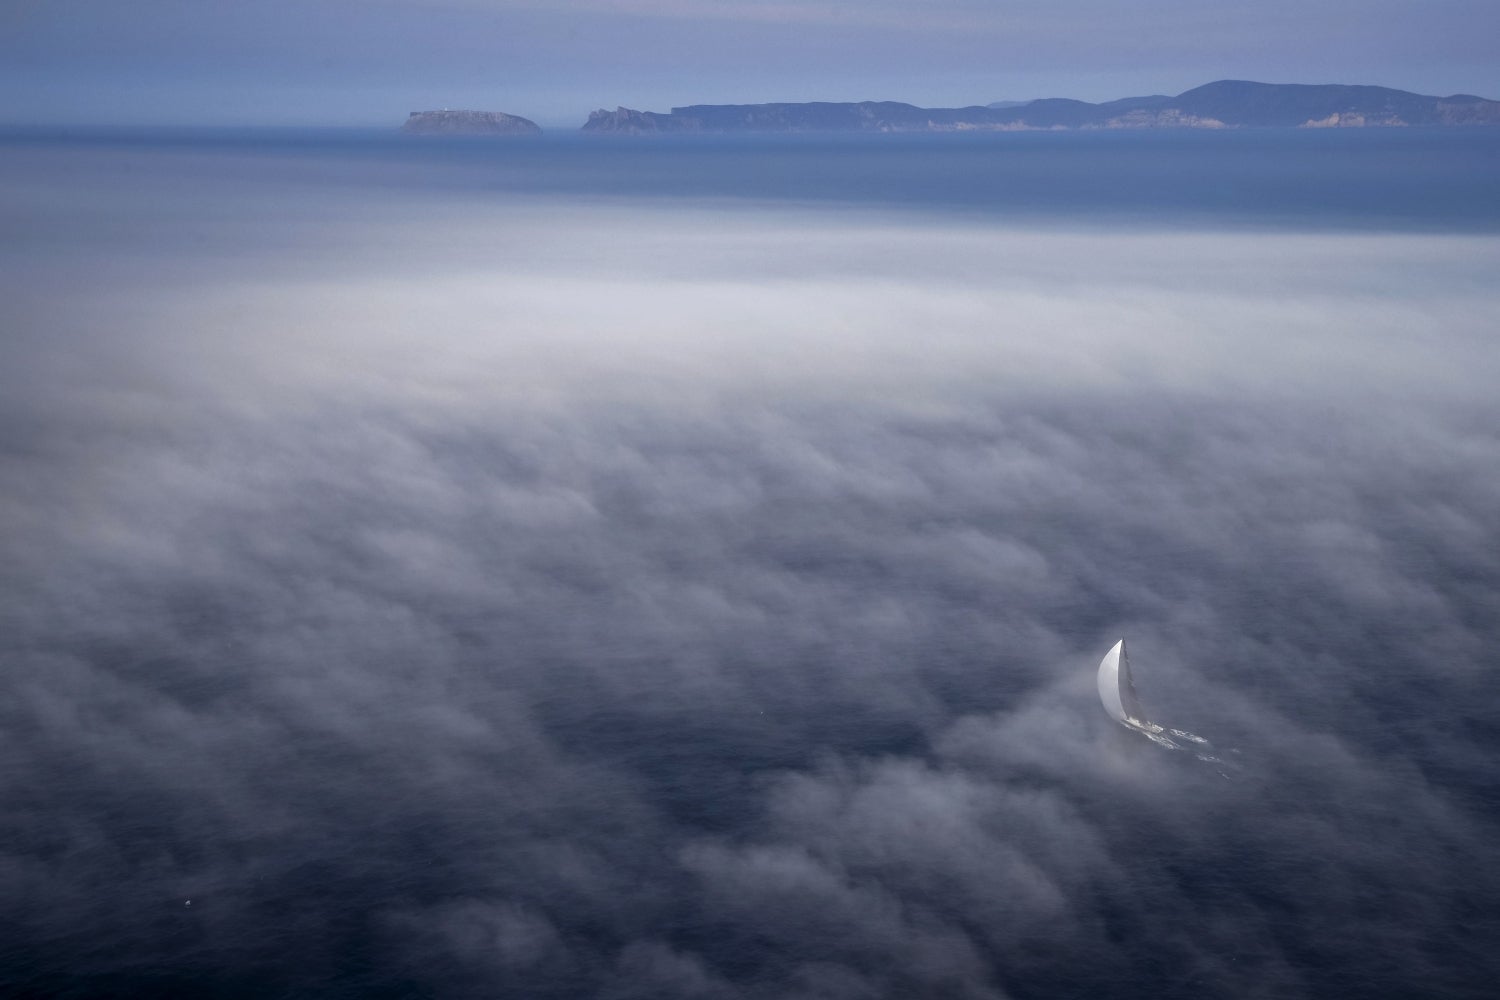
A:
x: 580, y: 598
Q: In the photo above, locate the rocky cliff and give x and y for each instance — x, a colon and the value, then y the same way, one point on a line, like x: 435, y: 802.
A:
x: 625, y: 121
x: 1224, y: 104
x: 447, y: 122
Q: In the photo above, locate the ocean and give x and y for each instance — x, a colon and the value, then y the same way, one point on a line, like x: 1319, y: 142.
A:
x: 679, y: 567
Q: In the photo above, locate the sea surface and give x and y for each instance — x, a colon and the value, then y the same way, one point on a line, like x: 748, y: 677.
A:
x: 678, y: 567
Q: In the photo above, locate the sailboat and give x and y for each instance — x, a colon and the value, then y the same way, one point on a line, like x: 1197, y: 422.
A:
x: 1119, y: 697
x: 1120, y: 701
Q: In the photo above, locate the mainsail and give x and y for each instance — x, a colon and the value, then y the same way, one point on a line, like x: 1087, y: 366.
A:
x: 1116, y: 691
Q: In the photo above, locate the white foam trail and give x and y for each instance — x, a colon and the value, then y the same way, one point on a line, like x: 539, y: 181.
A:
x: 1202, y: 749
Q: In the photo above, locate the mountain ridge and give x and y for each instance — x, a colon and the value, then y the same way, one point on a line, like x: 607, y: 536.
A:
x: 1220, y: 104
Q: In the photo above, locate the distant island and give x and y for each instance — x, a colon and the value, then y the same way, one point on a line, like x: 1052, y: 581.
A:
x: 1224, y: 104
x: 481, y: 123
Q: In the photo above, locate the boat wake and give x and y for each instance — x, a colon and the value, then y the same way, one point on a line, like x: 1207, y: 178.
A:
x: 1198, y: 746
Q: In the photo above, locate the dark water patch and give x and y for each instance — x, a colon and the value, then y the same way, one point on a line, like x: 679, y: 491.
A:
x: 1418, y: 179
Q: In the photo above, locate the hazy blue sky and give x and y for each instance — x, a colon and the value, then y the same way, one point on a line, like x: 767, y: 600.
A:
x: 371, y: 61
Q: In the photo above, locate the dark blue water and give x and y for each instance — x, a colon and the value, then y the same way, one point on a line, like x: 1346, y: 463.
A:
x: 1425, y: 179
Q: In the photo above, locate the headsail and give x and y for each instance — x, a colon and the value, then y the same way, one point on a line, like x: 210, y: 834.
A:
x: 1116, y: 691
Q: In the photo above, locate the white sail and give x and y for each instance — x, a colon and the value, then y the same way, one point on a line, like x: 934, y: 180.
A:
x: 1116, y: 691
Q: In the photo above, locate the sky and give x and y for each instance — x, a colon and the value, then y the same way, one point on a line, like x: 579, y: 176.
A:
x: 370, y: 62
x: 419, y: 581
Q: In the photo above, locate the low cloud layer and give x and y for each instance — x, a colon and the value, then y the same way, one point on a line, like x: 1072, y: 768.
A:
x: 623, y: 601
